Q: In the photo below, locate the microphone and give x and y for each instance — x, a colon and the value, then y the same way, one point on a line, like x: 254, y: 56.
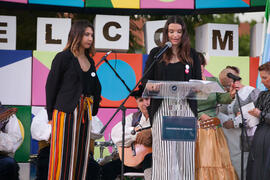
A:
x: 162, y: 50
x: 233, y: 77
x: 104, y: 57
x: 133, y: 132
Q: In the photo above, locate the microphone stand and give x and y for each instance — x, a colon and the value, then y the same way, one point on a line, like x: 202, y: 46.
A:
x: 105, y: 59
x: 123, y: 109
x: 243, y: 135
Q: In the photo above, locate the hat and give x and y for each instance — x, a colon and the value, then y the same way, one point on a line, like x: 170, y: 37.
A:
x: 138, y: 93
x: 5, y: 113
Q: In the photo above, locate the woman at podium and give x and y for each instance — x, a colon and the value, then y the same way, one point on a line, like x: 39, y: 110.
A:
x: 172, y: 159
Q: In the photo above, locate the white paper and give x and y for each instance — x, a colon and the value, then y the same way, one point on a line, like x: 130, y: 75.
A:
x: 250, y: 120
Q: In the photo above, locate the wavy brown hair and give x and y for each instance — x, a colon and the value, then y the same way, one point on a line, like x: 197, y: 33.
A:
x: 75, y: 36
x: 184, y: 47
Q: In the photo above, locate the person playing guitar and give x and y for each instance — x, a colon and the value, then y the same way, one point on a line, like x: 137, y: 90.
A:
x: 138, y: 142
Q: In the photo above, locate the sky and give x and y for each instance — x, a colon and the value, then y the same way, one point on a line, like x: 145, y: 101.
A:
x: 257, y: 16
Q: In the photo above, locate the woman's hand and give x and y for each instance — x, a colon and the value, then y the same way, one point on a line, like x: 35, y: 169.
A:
x: 152, y: 86
x: 255, y: 112
x: 228, y: 124
x: 204, y: 117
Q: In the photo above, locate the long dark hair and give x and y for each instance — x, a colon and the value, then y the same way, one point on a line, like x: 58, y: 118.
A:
x: 184, y: 47
x: 75, y: 36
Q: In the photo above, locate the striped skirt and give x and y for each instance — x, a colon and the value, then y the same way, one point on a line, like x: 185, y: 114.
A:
x: 172, y: 160
x: 70, y: 142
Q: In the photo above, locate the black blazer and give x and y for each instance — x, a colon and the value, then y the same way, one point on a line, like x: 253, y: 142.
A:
x: 64, y: 84
x: 157, y: 72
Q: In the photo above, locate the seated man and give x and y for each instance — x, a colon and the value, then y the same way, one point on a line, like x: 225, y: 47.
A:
x: 134, y: 122
x: 10, y: 140
x: 41, y: 131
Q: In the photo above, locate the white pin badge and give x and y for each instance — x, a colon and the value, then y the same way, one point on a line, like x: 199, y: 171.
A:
x: 93, y: 74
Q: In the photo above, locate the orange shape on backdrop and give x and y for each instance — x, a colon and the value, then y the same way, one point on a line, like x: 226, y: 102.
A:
x: 253, y: 70
x: 135, y: 61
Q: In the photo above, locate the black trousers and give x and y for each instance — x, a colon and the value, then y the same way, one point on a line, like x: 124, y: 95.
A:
x: 112, y: 169
x: 9, y: 168
x: 93, y: 169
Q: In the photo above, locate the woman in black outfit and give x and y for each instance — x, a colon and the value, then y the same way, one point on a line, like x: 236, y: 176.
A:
x: 72, y: 96
x: 172, y: 159
x: 258, y: 167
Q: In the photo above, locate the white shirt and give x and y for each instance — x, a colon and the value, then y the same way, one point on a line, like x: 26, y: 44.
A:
x: 116, y: 132
x: 11, y: 136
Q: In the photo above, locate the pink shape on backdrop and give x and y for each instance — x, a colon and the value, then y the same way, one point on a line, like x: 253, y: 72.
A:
x: 207, y: 74
x: 174, y: 4
x: 104, y: 114
x: 40, y: 73
x: 16, y: 1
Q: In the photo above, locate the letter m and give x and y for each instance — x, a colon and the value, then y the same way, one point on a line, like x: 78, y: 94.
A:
x: 217, y: 39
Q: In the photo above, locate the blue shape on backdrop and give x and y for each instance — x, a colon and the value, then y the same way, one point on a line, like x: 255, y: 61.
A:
x: 113, y: 88
x: 145, y: 56
x: 12, y: 56
x: 75, y: 3
x: 220, y: 4
x: 33, y: 143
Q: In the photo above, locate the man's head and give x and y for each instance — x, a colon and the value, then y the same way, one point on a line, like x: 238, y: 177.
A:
x: 225, y: 80
x: 142, y: 103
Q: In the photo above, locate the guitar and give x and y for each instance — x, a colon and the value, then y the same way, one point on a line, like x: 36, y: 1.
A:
x: 212, y: 122
x: 134, y: 154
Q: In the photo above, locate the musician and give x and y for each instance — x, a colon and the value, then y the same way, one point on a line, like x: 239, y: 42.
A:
x: 10, y: 140
x: 134, y: 122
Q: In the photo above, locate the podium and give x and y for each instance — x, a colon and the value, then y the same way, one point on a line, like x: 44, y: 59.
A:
x: 180, y: 128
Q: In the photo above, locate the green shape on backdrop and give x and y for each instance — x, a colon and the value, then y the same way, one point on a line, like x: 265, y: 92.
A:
x: 218, y: 63
x: 99, y: 3
x: 257, y: 3
x: 24, y: 115
x: 45, y: 57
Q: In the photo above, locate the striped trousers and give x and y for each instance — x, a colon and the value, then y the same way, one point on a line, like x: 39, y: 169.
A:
x: 172, y: 160
x: 70, y: 142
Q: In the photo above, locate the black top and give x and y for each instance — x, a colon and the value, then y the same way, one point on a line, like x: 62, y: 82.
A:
x: 172, y: 71
x: 88, y: 80
x: 64, y: 84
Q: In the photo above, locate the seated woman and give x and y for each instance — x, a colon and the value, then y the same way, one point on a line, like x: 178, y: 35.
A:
x: 212, y: 157
x: 259, y: 156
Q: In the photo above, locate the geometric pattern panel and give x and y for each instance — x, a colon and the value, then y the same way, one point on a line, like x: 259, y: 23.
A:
x: 257, y: 2
x: 41, y: 66
x: 129, y: 68
x: 15, y: 73
x: 24, y: 115
x: 16, y: 1
x: 75, y: 3
x: 167, y: 4
x: 218, y: 63
x: 130, y: 4
x: 34, y: 143
x: 200, y: 4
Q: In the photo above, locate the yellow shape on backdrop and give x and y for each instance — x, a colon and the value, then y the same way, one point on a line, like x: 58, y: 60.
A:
x: 217, y: 63
x: 131, y: 4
